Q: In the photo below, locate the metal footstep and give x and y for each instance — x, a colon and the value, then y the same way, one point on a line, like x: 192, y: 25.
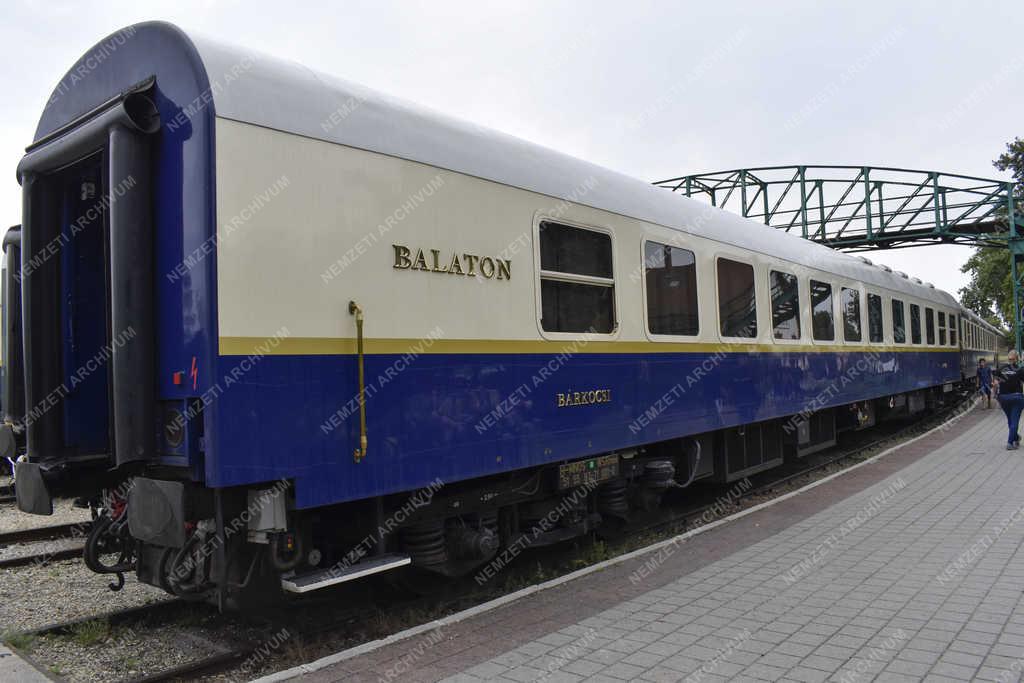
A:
x: 304, y: 583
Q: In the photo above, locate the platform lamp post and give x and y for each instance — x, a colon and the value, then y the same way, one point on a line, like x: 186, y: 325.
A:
x: 1016, y: 247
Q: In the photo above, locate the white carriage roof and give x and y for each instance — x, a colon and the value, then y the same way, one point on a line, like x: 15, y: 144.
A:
x: 977, y: 319
x: 286, y: 96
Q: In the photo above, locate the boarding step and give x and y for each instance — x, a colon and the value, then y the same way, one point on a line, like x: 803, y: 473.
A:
x: 304, y: 583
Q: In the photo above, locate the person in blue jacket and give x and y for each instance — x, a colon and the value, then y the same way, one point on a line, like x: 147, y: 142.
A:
x: 985, y: 381
x: 1011, y: 398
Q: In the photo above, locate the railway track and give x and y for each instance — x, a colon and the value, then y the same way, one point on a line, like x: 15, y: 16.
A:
x: 55, y: 532
x: 333, y: 624
x: 46, y: 533
x: 222, y: 656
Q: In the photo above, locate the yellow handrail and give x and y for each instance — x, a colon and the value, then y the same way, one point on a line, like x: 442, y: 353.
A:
x: 355, y: 310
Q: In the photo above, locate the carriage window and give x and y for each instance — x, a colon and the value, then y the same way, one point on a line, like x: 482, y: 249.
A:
x: 915, y: 324
x: 942, y: 328
x: 671, y: 280
x: 899, y: 324
x: 822, y: 323
x: 929, y: 325
x: 874, y: 318
x: 850, y: 299
x: 952, y: 329
x: 785, y: 305
x: 737, y: 308
x: 577, y: 291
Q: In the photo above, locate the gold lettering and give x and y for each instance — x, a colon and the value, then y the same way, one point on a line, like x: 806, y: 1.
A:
x: 401, y: 256
x: 504, y: 269
x: 459, y: 264
x: 583, y: 398
x: 487, y: 264
x: 435, y: 253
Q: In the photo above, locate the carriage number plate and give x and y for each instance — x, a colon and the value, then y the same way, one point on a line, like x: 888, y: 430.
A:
x: 589, y: 471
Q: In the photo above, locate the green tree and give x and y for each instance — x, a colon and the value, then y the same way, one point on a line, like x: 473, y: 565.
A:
x: 990, y: 290
x: 1012, y: 160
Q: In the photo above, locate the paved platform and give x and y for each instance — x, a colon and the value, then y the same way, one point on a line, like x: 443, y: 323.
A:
x: 907, y: 568
x: 14, y: 668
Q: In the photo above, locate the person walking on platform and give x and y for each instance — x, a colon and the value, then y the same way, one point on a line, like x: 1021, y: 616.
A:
x: 985, y: 381
x: 1011, y: 398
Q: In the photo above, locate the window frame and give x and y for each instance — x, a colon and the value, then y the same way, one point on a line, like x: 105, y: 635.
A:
x: 539, y: 277
x: 929, y: 316
x: 920, y: 325
x: 718, y: 305
x: 892, y: 321
x: 860, y: 314
x: 654, y: 336
x: 940, y: 328
x: 867, y: 309
x: 835, y: 318
x: 771, y: 305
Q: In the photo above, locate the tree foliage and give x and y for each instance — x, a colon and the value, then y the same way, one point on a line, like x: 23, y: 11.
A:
x: 1012, y: 160
x: 990, y: 290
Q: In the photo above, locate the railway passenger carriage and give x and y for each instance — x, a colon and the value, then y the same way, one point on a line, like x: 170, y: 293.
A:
x: 334, y: 300
x: 979, y: 339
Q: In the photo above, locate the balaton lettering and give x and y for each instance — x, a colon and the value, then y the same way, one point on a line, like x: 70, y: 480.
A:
x: 469, y: 265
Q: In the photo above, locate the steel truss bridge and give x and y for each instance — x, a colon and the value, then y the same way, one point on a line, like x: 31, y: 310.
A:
x: 867, y: 208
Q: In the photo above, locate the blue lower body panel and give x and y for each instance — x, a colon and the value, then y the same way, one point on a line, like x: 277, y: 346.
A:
x: 452, y: 417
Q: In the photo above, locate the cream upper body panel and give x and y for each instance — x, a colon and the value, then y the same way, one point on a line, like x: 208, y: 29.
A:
x: 306, y: 225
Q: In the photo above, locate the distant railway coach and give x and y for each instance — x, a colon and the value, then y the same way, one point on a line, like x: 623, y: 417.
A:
x: 386, y: 338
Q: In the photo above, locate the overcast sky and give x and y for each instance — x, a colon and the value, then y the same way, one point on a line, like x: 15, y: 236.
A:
x: 652, y: 89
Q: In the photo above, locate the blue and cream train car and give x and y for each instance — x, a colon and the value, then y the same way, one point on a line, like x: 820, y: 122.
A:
x: 282, y: 303
x: 979, y: 340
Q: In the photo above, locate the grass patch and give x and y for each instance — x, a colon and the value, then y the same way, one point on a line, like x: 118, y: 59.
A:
x: 90, y: 632
x: 19, y: 641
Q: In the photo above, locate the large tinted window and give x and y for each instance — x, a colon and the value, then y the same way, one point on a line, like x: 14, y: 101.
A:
x: 942, y: 328
x: 671, y: 280
x: 566, y: 249
x: 785, y: 305
x: 850, y: 299
x: 822, y: 322
x: 874, y: 318
x: 953, y: 329
x: 899, y: 324
x: 929, y: 325
x: 915, y: 324
x: 577, y: 291
x: 737, y: 309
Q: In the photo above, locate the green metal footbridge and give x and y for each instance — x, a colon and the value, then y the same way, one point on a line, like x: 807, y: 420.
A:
x: 865, y: 208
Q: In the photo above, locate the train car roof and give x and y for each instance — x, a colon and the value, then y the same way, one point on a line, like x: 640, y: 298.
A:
x: 978, y: 320
x: 251, y: 87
